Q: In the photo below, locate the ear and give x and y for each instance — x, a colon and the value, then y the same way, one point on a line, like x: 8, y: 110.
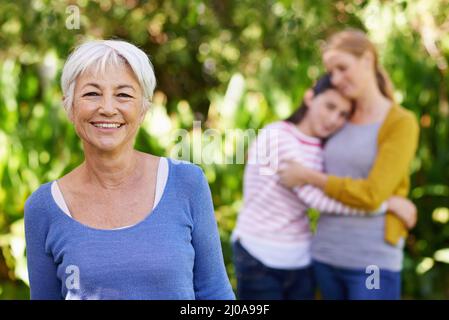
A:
x: 142, y: 117
x: 143, y: 113
x: 308, y: 96
x: 71, y: 116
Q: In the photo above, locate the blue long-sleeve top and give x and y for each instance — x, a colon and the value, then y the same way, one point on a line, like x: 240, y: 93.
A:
x: 174, y: 253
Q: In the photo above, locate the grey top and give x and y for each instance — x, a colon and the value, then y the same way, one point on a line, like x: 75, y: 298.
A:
x: 354, y: 242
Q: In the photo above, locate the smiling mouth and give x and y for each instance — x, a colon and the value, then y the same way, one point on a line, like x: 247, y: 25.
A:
x: 107, y: 125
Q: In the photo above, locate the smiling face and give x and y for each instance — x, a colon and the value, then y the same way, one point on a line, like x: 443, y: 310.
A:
x: 108, y: 108
x: 327, y: 112
x: 349, y: 73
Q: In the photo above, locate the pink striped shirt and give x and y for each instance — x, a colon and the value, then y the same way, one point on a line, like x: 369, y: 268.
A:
x: 273, y: 215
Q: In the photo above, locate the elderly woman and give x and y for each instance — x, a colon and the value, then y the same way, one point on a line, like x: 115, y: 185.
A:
x: 124, y: 224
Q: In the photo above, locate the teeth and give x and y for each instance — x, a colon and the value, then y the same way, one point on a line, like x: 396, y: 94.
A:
x: 107, y: 125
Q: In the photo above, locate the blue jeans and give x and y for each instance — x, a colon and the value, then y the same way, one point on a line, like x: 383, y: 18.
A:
x: 351, y: 284
x: 255, y: 281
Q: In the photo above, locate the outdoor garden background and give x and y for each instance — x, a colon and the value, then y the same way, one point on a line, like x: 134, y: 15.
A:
x: 231, y: 64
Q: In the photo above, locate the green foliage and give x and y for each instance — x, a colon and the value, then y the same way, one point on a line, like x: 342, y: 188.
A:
x: 230, y: 64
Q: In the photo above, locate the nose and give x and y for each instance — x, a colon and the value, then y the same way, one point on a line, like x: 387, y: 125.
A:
x: 107, y: 107
x: 334, y: 120
x: 336, y: 78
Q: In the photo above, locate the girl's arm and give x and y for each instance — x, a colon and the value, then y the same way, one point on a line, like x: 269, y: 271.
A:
x: 315, y: 198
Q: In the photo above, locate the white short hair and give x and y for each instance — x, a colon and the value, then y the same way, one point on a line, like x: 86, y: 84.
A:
x: 99, y: 54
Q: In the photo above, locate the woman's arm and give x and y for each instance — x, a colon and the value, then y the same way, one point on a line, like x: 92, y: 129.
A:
x: 209, y: 273
x: 44, y: 284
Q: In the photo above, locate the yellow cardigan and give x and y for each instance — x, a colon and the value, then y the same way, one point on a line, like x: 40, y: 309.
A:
x: 397, y: 143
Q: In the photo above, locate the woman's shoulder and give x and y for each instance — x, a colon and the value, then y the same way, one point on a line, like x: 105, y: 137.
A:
x: 185, y: 172
x: 40, y: 193
x: 400, y: 117
x: 39, y: 199
x: 400, y: 113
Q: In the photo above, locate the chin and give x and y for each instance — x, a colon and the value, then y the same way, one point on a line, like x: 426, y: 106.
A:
x: 348, y: 93
x: 352, y: 94
x: 106, y: 146
x: 326, y: 134
x: 322, y: 135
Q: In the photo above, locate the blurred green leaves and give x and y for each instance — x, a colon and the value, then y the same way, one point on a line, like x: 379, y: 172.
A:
x: 230, y: 64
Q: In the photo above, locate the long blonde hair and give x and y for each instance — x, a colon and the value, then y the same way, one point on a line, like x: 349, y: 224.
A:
x: 356, y: 42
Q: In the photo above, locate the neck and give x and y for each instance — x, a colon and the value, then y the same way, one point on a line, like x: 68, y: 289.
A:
x: 372, y: 102
x: 110, y: 170
x: 305, y: 127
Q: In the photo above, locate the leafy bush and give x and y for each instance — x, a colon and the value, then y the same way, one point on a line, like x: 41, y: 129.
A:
x: 230, y: 65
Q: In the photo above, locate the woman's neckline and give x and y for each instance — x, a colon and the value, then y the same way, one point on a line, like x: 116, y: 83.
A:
x: 379, y: 122
x: 151, y: 213
x: 364, y: 124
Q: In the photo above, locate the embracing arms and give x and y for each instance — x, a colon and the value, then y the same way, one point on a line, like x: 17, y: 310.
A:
x: 397, y: 144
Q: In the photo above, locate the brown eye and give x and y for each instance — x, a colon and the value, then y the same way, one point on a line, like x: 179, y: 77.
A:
x: 330, y: 106
x: 91, y: 94
x: 124, y: 95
